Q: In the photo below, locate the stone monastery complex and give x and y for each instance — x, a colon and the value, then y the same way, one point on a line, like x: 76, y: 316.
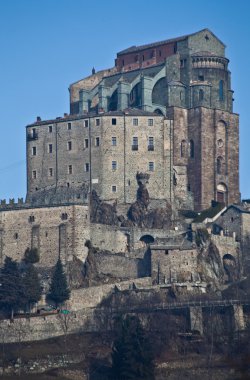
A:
x: 131, y: 173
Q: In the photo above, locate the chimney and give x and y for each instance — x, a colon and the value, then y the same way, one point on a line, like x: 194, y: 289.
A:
x: 38, y: 118
x: 65, y: 114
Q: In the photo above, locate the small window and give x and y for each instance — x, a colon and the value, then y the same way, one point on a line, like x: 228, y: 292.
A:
x: 34, y: 151
x: 16, y: 235
x: 50, y: 172
x: 114, y: 189
x: 69, y: 126
x: 181, y: 95
x: 64, y: 216
x: 86, y: 123
x: 50, y: 148
x: 135, y: 143
x: 150, y: 122
x: 97, y: 141
x: 87, y: 167
x: 135, y: 122
x: 34, y: 132
x: 150, y: 143
x: 34, y: 175
x: 114, y: 142
x: 113, y: 121
x: 143, y: 57
x: 97, y: 122
x: 221, y: 90
x: 86, y: 143
x: 201, y: 78
x: 69, y: 145
x: 151, y: 166
x: 201, y: 95
x: 219, y: 165
x: 114, y: 165
x: 50, y: 128
x: 191, y: 149
x: 188, y: 187
x: 70, y: 169
x: 31, y: 218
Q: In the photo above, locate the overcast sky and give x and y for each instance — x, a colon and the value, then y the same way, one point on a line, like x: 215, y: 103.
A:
x: 48, y: 44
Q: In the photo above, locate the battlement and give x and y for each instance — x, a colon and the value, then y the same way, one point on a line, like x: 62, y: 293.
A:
x: 12, y: 204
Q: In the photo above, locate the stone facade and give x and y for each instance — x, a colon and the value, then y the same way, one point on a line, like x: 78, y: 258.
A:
x: 101, y: 152
x: 53, y: 230
x: 192, y: 154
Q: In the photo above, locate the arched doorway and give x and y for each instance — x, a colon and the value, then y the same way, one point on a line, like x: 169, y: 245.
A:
x: 147, y: 239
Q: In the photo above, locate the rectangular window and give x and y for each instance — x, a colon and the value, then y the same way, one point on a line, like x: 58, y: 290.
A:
x: 69, y: 145
x: 114, y: 165
x: 135, y: 122
x: 114, y: 142
x: 87, y: 167
x: 69, y: 126
x: 135, y: 143
x: 150, y: 122
x: 50, y: 148
x: 86, y: 123
x: 97, y: 141
x: 114, y: 121
x: 150, y: 143
x: 34, y: 176
x: 97, y: 122
x: 114, y: 189
x: 86, y: 143
x: 34, y: 151
x: 50, y: 128
x: 151, y: 166
x: 34, y: 133
x: 70, y: 169
x: 50, y: 172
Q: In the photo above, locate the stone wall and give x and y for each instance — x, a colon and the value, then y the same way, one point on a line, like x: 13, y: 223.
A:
x: 174, y: 265
x: 53, y: 230
x: 98, y: 152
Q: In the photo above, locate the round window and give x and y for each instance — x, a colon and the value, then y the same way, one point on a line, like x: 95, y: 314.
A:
x: 220, y: 143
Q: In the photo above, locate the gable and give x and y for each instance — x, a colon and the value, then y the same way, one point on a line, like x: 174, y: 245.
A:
x: 205, y: 40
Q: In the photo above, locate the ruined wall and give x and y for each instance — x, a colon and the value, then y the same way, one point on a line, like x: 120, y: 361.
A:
x: 174, y: 265
x: 53, y: 230
x: 108, y: 238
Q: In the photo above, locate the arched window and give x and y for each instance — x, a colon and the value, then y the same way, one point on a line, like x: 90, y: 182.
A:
x: 221, y: 90
x: 183, y: 148
x: 219, y: 165
x: 191, y: 149
x: 201, y: 95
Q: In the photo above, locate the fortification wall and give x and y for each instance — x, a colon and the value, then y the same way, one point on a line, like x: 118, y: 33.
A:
x: 53, y: 230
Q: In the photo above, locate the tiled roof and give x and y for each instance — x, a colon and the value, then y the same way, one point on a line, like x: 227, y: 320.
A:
x: 132, y: 49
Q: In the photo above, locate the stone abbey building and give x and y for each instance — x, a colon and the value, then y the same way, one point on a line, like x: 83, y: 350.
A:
x: 165, y: 108
x: 161, y: 119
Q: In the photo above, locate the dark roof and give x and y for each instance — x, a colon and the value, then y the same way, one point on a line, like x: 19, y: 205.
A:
x: 239, y: 208
x: 134, y: 48
x: 129, y: 76
x: 128, y: 112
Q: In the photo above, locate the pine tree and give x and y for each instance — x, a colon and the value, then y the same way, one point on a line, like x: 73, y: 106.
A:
x: 32, y: 286
x: 12, y: 295
x: 59, y: 291
x: 132, y: 355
